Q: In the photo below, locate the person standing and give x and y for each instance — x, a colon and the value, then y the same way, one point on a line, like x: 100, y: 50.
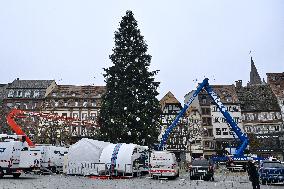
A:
x: 253, y: 174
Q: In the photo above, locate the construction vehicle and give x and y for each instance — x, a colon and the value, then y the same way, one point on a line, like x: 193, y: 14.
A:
x: 16, y: 156
x: 52, y: 156
x: 238, y: 154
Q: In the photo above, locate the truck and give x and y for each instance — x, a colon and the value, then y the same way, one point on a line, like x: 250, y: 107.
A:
x: 52, y: 156
x: 238, y: 154
x: 16, y: 157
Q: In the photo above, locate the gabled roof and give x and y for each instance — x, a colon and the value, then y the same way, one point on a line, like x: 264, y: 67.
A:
x: 30, y: 84
x: 169, y: 98
x: 225, y: 91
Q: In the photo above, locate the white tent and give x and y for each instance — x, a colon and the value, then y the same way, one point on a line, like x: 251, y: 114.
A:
x: 83, y: 155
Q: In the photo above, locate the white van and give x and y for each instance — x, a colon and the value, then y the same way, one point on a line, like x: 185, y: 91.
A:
x: 163, y: 164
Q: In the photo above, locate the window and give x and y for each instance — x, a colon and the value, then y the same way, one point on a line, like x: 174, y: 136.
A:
x: 17, y: 105
x: 218, y: 131
x: 75, y: 115
x: 19, y: 93
x: 206, y: 121
x: 85, y: 103
x: 64, y: 114
x: 225, y: 132
x: 65, y: 103
x: 94, y: 103
x: 11, y: 93
x: 216, y: 120
x: 84, y: 116
x: 56, y: 103
x: 205, y: 111
x: 229, y: 98
x: 36, y: 93
x: 27, y: 93
x: 203, y: 99
x: 76, y: 103
x: 25, y: 106
x: 54, y: 94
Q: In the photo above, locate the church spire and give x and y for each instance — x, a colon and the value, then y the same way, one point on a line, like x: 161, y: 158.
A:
x: 254, y: 76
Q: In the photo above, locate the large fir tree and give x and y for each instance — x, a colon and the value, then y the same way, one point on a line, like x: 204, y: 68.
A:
x: 130, y: 110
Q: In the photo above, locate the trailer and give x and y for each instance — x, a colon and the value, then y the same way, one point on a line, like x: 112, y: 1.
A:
x: 17, y: 157
x: 124, y: 159
x: 52, y: 157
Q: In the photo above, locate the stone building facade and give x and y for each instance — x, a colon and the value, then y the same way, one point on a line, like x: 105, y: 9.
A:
x: 81, y: 103
x: 27, y: 94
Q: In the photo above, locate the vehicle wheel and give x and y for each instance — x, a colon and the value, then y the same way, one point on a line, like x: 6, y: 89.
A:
x: 177, y: 174
x: 16, y: 175
x: 1, y: 173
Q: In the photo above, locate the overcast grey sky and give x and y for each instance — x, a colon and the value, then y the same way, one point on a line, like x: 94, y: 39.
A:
x: 70, y: 40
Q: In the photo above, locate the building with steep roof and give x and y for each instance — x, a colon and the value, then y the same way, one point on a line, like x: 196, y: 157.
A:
x: 222, y: 132
x: 27, y: 94
x: 261, y: 116
x: 177, y: 141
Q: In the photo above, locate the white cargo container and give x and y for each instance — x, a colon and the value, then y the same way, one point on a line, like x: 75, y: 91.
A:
x: 163, y: 164
x: 16, y: 157
x: 52, y: 157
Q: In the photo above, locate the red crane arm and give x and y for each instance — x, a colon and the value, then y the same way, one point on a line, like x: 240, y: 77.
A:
x: 16, y: 128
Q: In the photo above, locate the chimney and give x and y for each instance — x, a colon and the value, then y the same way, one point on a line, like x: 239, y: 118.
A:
x: 239, y: 84
x: 18, y: 79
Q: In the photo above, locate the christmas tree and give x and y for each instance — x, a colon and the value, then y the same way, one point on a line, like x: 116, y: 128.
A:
x: 130, y: 110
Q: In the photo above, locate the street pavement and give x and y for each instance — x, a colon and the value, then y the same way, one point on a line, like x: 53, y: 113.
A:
x: 223, y: 180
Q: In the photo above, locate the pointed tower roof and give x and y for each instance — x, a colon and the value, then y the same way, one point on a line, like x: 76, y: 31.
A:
x: 254, y: 76
x: 169, y: 98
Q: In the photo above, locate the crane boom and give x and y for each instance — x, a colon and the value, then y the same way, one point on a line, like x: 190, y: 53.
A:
x: 216, y: 99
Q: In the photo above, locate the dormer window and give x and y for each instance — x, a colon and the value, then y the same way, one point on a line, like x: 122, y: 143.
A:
x: 204, y: 100
x: 56, y: 103
x: 85, y: 103
x: 19, y: 93
x: 27, y: 93
x: 36, y: 93
x: 73, y: 94
x: 11, y: 93
x: 229, y: 98
x: 76, y: 103
x: 94, y: 103
x: 54, y: 94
